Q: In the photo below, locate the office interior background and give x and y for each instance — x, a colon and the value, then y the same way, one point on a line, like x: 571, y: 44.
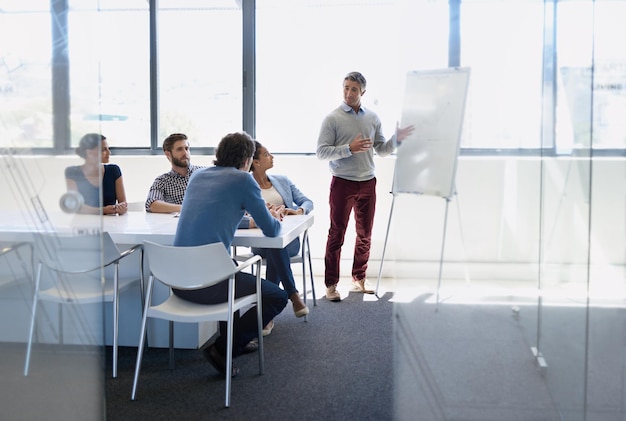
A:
x: 538, y: 220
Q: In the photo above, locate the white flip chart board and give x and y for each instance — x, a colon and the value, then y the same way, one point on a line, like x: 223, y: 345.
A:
x: 434, y: 104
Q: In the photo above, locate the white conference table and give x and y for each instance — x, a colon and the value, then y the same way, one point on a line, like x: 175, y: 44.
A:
x: 133, y: 228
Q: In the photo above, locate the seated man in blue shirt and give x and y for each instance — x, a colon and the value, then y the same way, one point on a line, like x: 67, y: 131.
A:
x: 215, y: 202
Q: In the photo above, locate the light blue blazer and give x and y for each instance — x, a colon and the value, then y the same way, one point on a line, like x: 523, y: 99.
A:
x: 292, y: 197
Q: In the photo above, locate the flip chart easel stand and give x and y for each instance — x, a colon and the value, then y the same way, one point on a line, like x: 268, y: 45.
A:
x: 382, y: 259
x: 434, y: 106
x: 443, y: 246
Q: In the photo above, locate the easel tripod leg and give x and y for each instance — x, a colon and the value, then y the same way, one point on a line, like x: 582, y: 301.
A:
x: 443, y: 246
x: 382, y: 259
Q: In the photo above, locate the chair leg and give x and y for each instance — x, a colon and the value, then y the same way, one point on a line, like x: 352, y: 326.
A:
x: 229, y: 357
x: 171, y: 329
x: 32, y: 321
x: 142, y: 286
x: 259, y: 315
x: 142, y: 340
x: 308, y: 255
x: 116, y: 316
x: 312, y: 281
x: 60, y: 313
x: 142, y: 336
x: 304, y: 294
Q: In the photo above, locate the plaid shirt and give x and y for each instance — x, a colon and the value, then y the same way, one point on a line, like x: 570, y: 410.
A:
x: 170, y: 187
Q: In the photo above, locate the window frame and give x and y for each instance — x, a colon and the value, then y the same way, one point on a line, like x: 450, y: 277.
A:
x: 61, y: 96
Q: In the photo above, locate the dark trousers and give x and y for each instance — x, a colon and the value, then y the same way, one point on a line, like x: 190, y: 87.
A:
x: 274, y: 300
x: 279, y: 266
x: 346, y: 196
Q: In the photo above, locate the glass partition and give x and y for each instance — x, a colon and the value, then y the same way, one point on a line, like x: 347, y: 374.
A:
x: 51, y: 341
x: 581, y: 281
x: 48, y: 335
x: 537, y: 330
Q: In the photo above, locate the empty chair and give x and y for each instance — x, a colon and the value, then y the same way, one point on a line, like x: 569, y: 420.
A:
x: 16, y: 268
x: 21, y: 253
x: 203, y: 266
x: 303, y: 258
x: 77, y: 265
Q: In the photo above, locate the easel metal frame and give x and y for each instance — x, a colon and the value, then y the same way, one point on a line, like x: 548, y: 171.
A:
x: 443, y: 246
x: 456, y: 81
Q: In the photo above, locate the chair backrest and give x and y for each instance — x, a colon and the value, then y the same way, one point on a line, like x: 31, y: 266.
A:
x: 16, y: 254
x: 189, y: 267
x: 75, y: 253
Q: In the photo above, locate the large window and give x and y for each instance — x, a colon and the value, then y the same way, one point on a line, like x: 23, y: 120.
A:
x: 591, y: 59
x: 25, y: 74
x: 305, y: 48
x: 200, y: 62
x: 527, y: 58
x: 199, y: 68
x: 109, y: 60
x: 501, y: 42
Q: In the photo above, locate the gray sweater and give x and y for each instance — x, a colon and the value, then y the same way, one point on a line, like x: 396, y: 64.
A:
x: 338, y: 129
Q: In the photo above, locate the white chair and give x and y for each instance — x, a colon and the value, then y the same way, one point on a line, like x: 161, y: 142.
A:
x: 202, y: 266
x: 78, y: 264
x: 303, y: 258
x: 14, y: 253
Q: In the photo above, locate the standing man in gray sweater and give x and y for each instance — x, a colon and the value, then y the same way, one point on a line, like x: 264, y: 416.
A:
x: 348, y: 138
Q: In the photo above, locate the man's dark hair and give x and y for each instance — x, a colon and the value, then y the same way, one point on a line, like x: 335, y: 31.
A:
x: 234, y: 149
x: 168, y: 143
x: 358, y: 78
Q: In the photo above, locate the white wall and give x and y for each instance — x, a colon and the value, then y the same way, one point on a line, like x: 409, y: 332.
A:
x: 493, y: 225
